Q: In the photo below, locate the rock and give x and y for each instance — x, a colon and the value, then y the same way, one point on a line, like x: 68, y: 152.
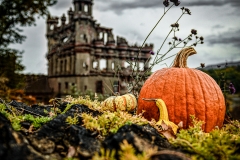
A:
x: 169, y: 155
x: 13, y: 146
x: 56, y: 128
x: 84, y: 141
x: 35, y: 110
x: 58, y: 133
x: 142, y: 138
x: 57, y: 139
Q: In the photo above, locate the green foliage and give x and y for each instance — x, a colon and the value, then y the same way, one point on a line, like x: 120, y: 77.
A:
x: 67, y: 108
x: 17, y: 119
x: 218, y: 144
x: 36, y: 121
x: 67, y: 158
x: 15, y: 13
x: 126, y: 152
x: 92, y: 104
x: 225, y: 76
x: 10, y: 68
x: 105, y: 155
x: 72, y: 120
x: 110, y: 122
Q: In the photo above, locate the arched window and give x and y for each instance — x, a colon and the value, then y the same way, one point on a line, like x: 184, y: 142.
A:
x: 85, y: 8
x: 113, y: 66
x: 51, y: 27
x: 103, y: 64
x: 95, y: 64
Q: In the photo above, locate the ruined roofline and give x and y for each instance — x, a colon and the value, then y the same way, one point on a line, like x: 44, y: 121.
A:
x: 69, y: 49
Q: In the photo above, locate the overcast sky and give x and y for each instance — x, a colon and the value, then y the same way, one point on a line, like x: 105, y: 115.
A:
x: 218, y: 21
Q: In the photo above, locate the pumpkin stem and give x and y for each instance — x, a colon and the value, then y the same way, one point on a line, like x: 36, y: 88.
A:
x: 181, y: 59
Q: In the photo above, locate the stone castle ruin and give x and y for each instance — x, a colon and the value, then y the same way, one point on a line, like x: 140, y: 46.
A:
x: 84, y: 54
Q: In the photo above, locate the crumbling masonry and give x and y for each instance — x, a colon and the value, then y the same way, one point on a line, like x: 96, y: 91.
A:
x: 85, y: 54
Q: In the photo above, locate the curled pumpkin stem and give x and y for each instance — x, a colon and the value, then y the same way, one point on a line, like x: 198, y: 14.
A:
x: 181, y: 59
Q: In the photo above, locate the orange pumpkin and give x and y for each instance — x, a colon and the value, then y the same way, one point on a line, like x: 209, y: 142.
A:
x: 126, y: 102
x: 186, y: 92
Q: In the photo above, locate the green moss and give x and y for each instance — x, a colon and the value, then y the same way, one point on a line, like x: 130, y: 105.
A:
x: 218, y: 144
x: 92, y: 104
x: 221, y: 143
x: 16, y: 119
x: 72, y: 120
x: 110, y: 122
x: 126, y: 152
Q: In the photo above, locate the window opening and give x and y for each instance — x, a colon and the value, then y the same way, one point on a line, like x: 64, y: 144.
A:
x: 113, y: 65
x: 66, y: 85
x: 99, y: 87
x: 86, y: 8
x: 95, y: 64
x: 103, y: 64
x: 59, y: 87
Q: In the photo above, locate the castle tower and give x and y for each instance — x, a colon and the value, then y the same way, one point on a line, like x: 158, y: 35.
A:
x: 83, y: 6
x: 84, y: 54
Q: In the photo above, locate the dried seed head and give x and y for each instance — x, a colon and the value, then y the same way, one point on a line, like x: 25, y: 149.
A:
x: 177, y: 3
x: 169, y: 43
x: 175, y: 38
x: 187, y: 10
x: 201, y: 38
x: 166, y: 3
x: 175, y: 25
x: 202, y: 65
x: 193, y: 31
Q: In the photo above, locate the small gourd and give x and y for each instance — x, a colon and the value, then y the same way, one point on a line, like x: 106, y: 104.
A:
x: 163, y: 117
x: 126, y: 102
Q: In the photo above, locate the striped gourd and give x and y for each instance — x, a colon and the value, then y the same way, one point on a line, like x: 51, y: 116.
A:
x: 126, y: 102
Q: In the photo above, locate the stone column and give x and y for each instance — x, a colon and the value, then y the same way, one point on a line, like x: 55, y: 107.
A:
x: 56, y: 65
x: 109, y: 64
x: 90, y: 10
x: 122, y: 63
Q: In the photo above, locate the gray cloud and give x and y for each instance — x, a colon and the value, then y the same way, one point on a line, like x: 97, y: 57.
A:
x: 217, y: 26
x: 231, y: 37
x: 62, y: 4
x: 119, y: 6
x: 234, y: 3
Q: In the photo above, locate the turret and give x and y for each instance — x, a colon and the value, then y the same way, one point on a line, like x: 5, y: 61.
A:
x: 52, y: 23
x: 83, y: 6
x: 70, y: 15
x: 63, y: 19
